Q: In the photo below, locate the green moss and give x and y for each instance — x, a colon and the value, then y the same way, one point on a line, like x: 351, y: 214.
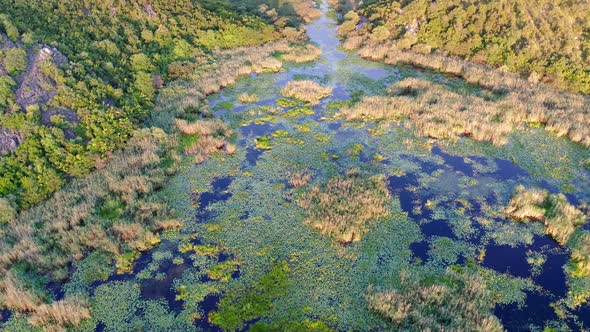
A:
x: 263, y: 143
x: 280, y: 133
x: 288, y: 102
x: 299, y: 111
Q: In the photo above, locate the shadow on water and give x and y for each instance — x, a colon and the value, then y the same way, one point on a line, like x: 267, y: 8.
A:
x: 163, y: 289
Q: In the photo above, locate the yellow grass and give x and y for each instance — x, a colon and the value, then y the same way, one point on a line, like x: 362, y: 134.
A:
x: 303, y: 54
x: 346, y: 206
x: 440, y: 113
x: 306, y: 90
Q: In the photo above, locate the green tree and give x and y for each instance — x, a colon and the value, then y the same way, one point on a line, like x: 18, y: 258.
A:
x: 6, y: 93
x: 141, y: 62
x: 15, y: 60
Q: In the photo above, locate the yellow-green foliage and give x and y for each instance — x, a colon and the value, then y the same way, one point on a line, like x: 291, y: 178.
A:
x: 223, y: 271
x: 263, y: 143
x: 542, y: 39
x: 306, y: 90
x: 455, y: 301
x: 210, y: 250
x: 346, y: 206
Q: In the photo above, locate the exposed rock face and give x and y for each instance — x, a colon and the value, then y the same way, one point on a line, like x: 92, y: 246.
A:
x: 68, y: 116
x: 36, y: 88
x: 9, y: 140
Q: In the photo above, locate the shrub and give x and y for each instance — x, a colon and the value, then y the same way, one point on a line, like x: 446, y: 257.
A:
x: 380, y: 33
x: 9, y: 28
x: 554, y: 48
x: 6, y: 92
x: 306, y: 90
x: 141, y: 62
x: 346, y: 206
x: 15, y: 60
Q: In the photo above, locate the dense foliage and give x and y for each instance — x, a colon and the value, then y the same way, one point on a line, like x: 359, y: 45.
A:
x: 544, y: 39
x: 69, y: 104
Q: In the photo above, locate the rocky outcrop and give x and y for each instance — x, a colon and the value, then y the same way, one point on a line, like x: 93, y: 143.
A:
x: 36, y: 88
x: 9, y: 140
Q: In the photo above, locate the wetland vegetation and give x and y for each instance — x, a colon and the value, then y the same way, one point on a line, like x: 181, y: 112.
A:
x: 294, y: 166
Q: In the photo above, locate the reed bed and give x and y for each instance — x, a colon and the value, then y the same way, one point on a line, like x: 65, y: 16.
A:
x: 346, y: 206
x: 306, y: 90
x: 438, y: 112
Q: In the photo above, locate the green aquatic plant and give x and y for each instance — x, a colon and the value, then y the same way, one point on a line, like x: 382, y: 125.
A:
x: 280, y: 133
x: 242, y: 305
x: 223, y: 271
x: 298, y: 112
x: 355, y: 150
x: 210, y: 250
x: 263, y: 143
x: 287, y: 102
